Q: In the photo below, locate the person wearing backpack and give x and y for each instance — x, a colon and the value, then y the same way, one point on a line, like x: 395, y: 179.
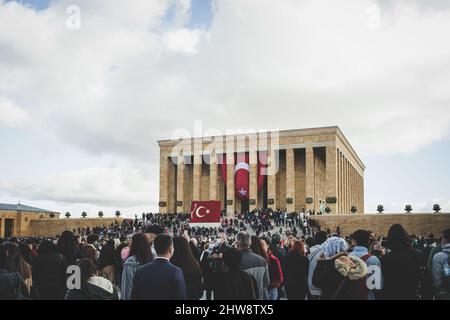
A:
x: 361, y: 241
x: 12, y: 286
x: 337, y: 275
x: 441, y: 269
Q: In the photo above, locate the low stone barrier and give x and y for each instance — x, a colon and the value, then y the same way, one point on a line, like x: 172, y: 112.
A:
x: 414, y: 223
x: 50, y: 227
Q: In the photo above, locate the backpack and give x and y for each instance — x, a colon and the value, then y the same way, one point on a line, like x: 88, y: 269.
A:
x: 364, y: 289
x: 216, y: 263
x: 445, y: 294
x: 446, y: 275
x: 17, y: 294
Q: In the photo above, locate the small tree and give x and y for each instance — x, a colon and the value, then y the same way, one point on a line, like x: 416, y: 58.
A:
x: 52, y: 215
x: 67, y: 215
x: 100, y: 214
x: 354, y: 209
x: 408, y: 208
x: 436, y: 208
x: 328, y: 210
x: 117, y: 213
x: 84, y: 214
x: 380, y: 208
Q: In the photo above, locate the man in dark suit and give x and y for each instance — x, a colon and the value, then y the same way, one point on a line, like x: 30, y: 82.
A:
x: 159, y: 280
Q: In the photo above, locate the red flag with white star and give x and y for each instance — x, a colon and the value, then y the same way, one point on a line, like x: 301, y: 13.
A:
x: 241, y: 176
x: 205, y: 212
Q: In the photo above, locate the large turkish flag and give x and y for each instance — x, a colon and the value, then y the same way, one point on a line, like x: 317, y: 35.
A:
x: 205, y: 212
x: 241, y: 176
x: 242, y: 170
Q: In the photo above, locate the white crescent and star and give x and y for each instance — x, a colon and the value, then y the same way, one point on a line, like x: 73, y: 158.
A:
x: 242, y: 165
x: 199, y: 214
x: 242, y: 192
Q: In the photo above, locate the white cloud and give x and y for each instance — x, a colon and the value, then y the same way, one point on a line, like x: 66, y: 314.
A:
x: 128, y: 78
x: 113, y: 186
x: 182, y: 40
x: 11, y: 115
x: 263, y: 64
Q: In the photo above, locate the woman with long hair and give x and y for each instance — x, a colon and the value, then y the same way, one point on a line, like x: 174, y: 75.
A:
x: 185, y: 260
x: 12, y: 286
x: 49, y: 272
x: 106, y: 261
x: 296, y: 272
x: 275, y: 272
x: 140, y: 254
x: 16, y: 263
x: 400, y: 267
x: 92, y: 286
x: 258, y: 247
x: 67, y: 246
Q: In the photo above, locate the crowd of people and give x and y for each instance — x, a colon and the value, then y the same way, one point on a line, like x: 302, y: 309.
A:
x: 258, y: 255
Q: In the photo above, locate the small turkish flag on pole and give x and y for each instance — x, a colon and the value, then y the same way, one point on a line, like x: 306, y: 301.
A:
x: 205, y: 212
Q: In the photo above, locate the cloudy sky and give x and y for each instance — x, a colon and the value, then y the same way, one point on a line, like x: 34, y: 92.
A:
x: 82, y: 105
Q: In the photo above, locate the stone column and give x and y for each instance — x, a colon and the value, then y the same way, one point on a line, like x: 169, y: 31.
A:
x: 272, y: 178
x: 355, y: 192
x: 340, y: 183
x: 197, y: 177
x: 181, y: 184
x: 362, y: 195
x: 163, y: 182
x: 213, y: 176
x: 231, y: 211
x: 331, y: 176
x: 290, y: 179
x: 309, y: 152
x: 344, y: 171
x: 347, y: 186
x: 253, y: 179
x: 350, y: 194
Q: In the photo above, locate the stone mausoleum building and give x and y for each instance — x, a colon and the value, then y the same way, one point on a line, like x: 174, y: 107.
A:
x: 311, y: 169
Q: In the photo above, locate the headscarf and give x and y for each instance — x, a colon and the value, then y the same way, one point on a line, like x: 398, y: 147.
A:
x: 334, y: 245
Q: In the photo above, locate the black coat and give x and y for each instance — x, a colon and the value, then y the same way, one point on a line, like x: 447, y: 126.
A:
x: 235, y: 285
x: 91, y: 292
x: 401, y: 273
x: 194, y: 286
x: 296, y: 276
x: 49, y: 276
x: 333, y: 284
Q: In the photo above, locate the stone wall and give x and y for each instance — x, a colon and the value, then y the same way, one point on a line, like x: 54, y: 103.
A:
x: 21, y: 220
x: 50, y: 227
x: 418, y: 224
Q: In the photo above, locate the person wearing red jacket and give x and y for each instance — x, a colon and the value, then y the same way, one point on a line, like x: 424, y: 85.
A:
x: 275, y: 272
